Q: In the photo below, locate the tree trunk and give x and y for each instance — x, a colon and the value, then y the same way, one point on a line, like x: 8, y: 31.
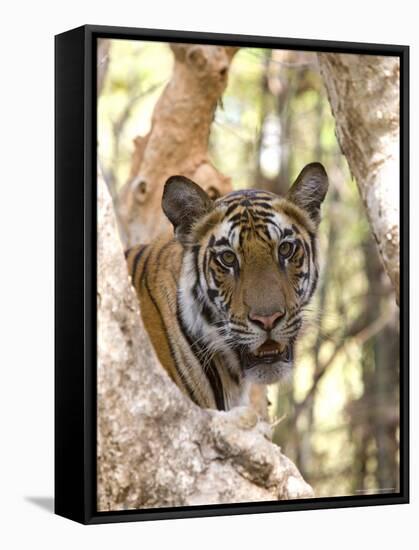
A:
x: 155, y: 447
x: 364, y: 95
x: 103, y: 47
x: 178, y: 140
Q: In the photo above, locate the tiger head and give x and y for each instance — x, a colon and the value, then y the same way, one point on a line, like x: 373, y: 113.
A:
x: 249, y: 268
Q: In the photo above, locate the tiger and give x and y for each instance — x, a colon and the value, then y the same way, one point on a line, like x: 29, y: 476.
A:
x: 223, y: 296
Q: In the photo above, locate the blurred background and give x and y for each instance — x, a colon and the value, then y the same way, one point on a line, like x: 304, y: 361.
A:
x: 339, y: 419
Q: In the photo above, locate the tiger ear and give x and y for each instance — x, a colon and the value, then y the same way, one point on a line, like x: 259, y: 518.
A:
x: 309, y: 189
x: 184, y: 202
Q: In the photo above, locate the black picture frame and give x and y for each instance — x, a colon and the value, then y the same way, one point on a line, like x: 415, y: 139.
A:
x: 75, y: 273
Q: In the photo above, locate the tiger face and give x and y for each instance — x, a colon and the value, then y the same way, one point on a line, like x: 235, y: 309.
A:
x: 249, y: 269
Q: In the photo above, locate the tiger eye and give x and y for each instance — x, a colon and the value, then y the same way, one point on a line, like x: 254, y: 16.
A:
x: 286, y: 249
x: 228, y: 258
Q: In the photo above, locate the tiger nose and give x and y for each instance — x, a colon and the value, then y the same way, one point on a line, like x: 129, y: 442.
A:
x: 267, y: 321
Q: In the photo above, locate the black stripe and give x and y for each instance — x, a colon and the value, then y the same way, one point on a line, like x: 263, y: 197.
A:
x: 313, y: 285
x: 303, y: 274
x: 239, y: 331
x: 208, y: 314
x: 136, y: 262
x: 296, y: 322
x: 243, y: 194
x: 184, y: 381
x: 222, y: 241
x: 234, y: 376
x: 143, y: 274
x: 197, y: 290
x: 210, y: 372
x: 281, y: 262
x: 212, y: 294
x: 238, y: 322
x: 236, y: 218
x: 233, y: 226
x: 216, y: 386
x: 265, y: 231
x: 313, y: 245
x: 308, y: 253
x: 205, y: 264
x: 299, y: 248
x: 257, y: 204
x: 263, y: 215
x: 214, y: 276
x: 227, y: 301
x: 144, y: 278
x: 197, y: 285
x: 231, y: 208
x: 316, y: 273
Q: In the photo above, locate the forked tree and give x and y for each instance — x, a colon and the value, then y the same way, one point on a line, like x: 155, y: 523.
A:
x: 177, y: 142
x: 155, y: 447
x: 364, y: 94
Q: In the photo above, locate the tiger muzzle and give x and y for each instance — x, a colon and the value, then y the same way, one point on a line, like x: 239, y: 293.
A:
x: 268, y: 353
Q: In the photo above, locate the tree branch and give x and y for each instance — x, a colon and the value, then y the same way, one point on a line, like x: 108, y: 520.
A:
x: 155, y: 446
x: 363, y: 92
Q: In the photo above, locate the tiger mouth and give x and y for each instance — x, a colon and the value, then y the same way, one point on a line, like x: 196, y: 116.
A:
x: 268, y: 353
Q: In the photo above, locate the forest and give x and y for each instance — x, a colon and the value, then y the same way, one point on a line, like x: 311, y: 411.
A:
x: 263, y: 115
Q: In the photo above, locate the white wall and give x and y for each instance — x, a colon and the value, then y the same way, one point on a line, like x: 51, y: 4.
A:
x: 26, y: 289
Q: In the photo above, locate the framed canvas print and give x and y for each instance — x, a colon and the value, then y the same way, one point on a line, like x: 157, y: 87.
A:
x: 231, y: 274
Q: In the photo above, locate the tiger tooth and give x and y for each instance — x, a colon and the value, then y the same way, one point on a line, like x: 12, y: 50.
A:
x: 266, y: 353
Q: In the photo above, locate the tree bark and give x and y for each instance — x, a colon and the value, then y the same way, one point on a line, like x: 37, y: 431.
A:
x: 364, y: 95
x: 155, y: 447
x: 103, y: 47
x: 178, y: 140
